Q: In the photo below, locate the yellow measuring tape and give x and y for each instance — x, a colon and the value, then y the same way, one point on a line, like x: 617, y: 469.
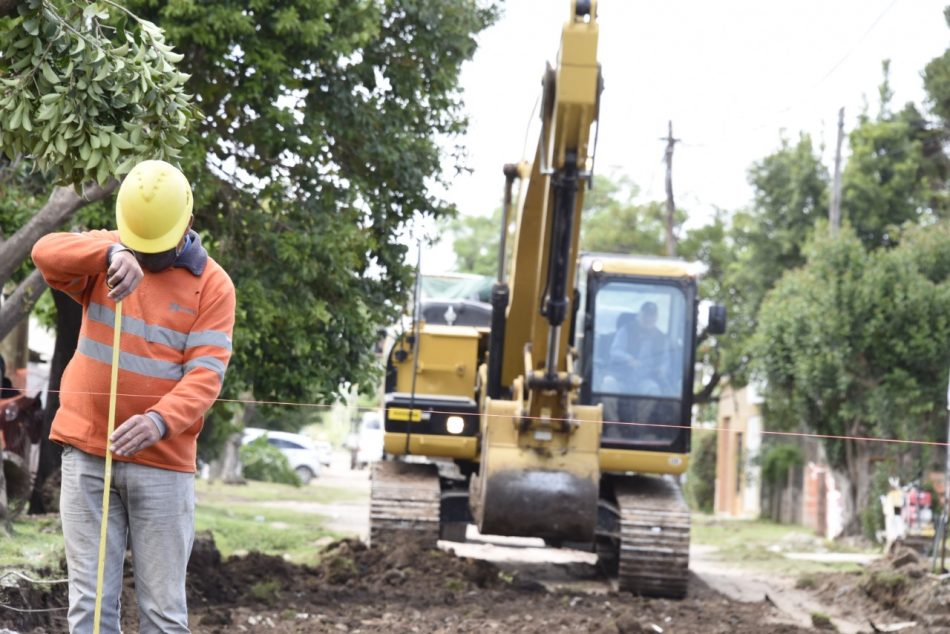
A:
x: 107, y: 479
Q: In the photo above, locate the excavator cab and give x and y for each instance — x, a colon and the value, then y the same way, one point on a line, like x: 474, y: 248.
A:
x: 634, y: 343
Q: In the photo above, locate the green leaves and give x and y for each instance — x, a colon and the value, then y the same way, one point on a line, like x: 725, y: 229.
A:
x: 856, y: 342
x: 88, y: 90
x: 307, y: 175
x: 31, y: 26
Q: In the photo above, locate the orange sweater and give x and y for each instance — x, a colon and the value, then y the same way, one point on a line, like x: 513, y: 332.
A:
x: 174, y: 348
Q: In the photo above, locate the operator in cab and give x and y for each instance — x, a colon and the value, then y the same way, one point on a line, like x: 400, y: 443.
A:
x: 639, y: 355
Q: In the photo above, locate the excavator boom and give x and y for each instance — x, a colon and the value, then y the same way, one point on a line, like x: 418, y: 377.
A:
x: 539, y: 472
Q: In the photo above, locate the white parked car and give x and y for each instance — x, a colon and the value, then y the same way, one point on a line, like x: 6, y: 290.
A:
x: 370, y: 440
x: 302, y: 453
x: 325, y: 450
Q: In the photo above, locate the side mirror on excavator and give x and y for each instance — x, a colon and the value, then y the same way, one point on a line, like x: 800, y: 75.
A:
x: 716, y: 324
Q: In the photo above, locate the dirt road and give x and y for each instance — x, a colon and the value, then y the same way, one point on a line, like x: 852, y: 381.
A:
x: 502, y: 585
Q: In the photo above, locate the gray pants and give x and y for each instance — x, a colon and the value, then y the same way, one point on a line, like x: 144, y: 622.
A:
x: 153, y: 507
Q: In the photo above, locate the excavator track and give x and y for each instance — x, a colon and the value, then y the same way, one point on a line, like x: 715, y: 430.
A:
x: 654, y: 537
x: 404, y: 502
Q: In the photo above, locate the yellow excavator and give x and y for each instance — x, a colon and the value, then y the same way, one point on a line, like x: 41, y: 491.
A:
x: 562, y: 410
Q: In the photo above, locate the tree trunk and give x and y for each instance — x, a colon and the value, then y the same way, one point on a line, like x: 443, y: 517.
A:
x: 62, y: 204
x: 68, y: 321
x: 231, y: 470
x: 858, y: 462
x: 18, y: 306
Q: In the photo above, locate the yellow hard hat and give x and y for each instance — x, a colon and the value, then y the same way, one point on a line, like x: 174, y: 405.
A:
x: 153, y: 207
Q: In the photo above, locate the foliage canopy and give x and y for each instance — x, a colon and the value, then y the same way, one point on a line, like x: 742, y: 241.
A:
x: 319, y: 143
x: 87, y: 90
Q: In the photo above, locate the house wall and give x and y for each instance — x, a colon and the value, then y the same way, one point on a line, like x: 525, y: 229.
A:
x: 739, y: 440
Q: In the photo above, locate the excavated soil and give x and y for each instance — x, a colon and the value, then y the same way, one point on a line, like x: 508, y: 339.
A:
x: 400, y: 587
x: 898, y: 587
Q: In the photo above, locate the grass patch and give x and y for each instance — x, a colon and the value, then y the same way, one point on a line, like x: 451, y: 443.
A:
x: 269, y: 491
x: 245, y: 527
x: 36, y: 542
x: 266, y: 592
x: 340, y: 569
x: 885, y: 581
x: 760, y: 544
x: 821, y: 621
x: 240, y: 522
x: 234, y: 514
x: 729, y: 534
x: 808, y: 581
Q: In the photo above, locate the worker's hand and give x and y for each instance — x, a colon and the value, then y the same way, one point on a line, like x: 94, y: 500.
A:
x: 137, y: 433
x: 124, y: 275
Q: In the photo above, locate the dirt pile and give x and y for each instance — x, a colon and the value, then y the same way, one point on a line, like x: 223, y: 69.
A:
x: 403, y: 587
x: 34, y: 607
x: 903, y: 581
x: 898, y: 587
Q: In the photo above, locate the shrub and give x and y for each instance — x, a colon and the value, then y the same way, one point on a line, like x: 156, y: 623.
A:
x: 872, y: 515
x: 266, y: 463
x: 777, y: 460
x: 701, y: 478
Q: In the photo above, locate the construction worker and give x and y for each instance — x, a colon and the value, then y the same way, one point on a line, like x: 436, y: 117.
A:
x: 178, y: 307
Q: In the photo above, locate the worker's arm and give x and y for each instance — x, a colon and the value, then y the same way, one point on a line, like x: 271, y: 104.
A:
x: 69, y: 261
x: 206, y: 358
x: 620, y: 354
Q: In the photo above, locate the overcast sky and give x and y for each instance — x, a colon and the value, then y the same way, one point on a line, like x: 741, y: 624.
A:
x: 732, y: 75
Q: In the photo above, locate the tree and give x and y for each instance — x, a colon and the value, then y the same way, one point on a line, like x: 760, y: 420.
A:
x: 711, y: 245
x: 855, y: 344
x: 475, y: 240
x: 323, y: 123
x: 614, y: 222
x: 896, y: 172
x: 937, y: 82
x: 790, y: 188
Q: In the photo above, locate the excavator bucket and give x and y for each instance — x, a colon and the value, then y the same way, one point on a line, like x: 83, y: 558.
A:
x: 536, y: 481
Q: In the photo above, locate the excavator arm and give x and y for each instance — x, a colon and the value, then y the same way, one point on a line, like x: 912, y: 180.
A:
x: 539, y: 472
x: 548, y: 226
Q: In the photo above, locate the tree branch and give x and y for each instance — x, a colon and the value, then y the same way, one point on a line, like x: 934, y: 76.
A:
x: 21, y: 302
x: 705, y: 395
x: 62, y: 204
x: 702, y: 336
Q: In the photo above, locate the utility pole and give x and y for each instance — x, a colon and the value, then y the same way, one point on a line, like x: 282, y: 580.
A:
x: 834, y: 212
x: 670, y: 206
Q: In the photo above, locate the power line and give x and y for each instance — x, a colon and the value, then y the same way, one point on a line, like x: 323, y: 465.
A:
x: 806, y: 94
x: 855, y: 45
